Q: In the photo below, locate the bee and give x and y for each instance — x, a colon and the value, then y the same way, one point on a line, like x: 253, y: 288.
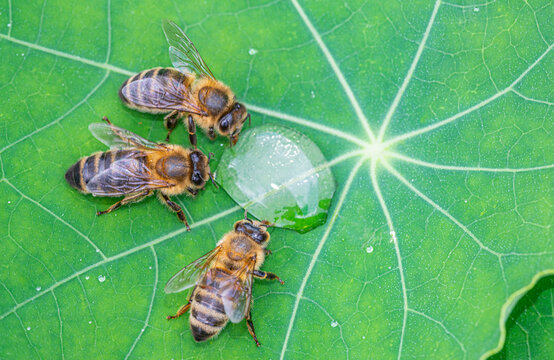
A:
x: 136, y: 167
x: 222, y: 280
x: 190, y: 88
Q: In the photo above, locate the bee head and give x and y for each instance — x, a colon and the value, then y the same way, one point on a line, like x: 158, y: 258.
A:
x: 230, y: 124
x: 256, y: 230
x: 199, y: 171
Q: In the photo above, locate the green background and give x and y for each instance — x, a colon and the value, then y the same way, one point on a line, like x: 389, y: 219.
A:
x: 436, y: 118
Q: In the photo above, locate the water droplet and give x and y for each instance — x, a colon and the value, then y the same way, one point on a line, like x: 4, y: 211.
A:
x: 28, y: 328
x: 313, y: 94
x: 90, y: 322
x: 476, y: 9
x: 97, y: 250
x: 9, y: 25
x: 393, y: 237
x: 101, y: 278
x: 369, y: 249
x: 9, y: 202
x: 334, y: 324
x: 363, y: 337
x: 252, y: 51
x: 150, y: 267
x: 87, y: 277
x: 141, y: 330
x: 38, y: 288
x: 465, y: 201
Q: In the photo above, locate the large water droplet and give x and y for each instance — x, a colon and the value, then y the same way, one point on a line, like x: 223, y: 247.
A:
x: 278, y: 174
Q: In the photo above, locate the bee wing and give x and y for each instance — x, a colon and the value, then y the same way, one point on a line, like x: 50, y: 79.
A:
x: 124, y: 176
x: 189, y: 275
x: 183, y: 53
x: 118, y: 138
x: 171, y: 94
x: 236, y: 294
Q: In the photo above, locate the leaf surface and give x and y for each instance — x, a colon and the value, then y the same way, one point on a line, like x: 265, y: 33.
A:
x: 441, y: 114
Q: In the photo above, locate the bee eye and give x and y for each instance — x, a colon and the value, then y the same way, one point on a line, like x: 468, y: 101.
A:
x: 196, y: 178
x: 225, y: 123
x: 237, y: 106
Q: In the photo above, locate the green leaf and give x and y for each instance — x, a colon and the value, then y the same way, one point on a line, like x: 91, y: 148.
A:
x: 274, y: 173
x: 436, y: 118
x: 530, y: 327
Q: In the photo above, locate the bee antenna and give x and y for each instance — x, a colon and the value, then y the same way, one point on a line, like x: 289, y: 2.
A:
x: 249, y: 119
x: 210, y: 154
x: 213, y: 180
x: 245, y: 214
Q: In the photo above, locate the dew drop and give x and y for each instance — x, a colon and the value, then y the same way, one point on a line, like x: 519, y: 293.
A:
x: 9, y: 202
x: 393, y: 237
x: 252, y: 51
x: 28, y: 328
x: 87, y: 277
x: 313, y: 94
x: 90, y: 322
x: 101, y: 278
x: 465, y: 201
x: 141, y: 330
x: 274, y: 186
x: 369, y: 249
x: 334, y: 324
x: 38, y: 288
x: 363, y: 337
x: 9, y: 25
x: 150, y: 267
x: 476, y: 9
x: 97, y: 250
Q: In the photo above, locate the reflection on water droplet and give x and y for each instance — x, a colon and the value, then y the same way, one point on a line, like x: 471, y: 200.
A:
x: 28, y: 328
x: 252, y: 51
x: 476, y: 9
x: 101, y: 278
x: 38, y: 288
x: 369, y: 249
x: 393, y: 238
x: 150, y: 267
x: 90, y: 322
x: 334, y: 324
x: 363, y: 337
x: 276, y: 173
x: 87, y: 277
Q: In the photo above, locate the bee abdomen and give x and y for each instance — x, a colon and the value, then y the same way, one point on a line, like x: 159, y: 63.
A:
x: 143, y: 97
x: 207, y: 315
x: 80, y: 173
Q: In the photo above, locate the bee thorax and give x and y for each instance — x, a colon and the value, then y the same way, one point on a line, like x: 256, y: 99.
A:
x: 173, y: 167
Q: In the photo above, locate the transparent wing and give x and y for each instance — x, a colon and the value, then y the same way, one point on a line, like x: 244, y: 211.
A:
x: 183, y: 53
x: 165, y: 93
x: 118, y: 138
x: 189, y: 275
x: 236, y: 292
x: 125, y: 176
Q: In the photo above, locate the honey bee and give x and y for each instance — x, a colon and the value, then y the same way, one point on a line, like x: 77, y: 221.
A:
x: 222, y: 280
x: 136, y: 167
x: 190, y: 89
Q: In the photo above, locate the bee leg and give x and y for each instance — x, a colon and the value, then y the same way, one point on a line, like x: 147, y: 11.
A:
x: 267, y: 252
x: 192, y: 131
x: 183, y: 309
x: 267, y: 275
x: 129, y: 199
x: 175, y: 208
x: 250, y: 326
x: 170, y: 122
x: 211, y: 133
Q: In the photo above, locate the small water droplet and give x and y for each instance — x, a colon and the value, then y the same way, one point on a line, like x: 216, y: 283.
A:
x: 22, y: 54
x: 141, y: 330
x: 313, y: 94
x: 38, y: 288
x: 393, y: 237
x: 9, y: 202
x: 90, y: 322
x: 101, y: 278
x: 389, y: 267
x: 87, y: 277
x: 252, y: 51
x: 97, y: 250
x: 465, y: 201
x: 150, y: 267
x: 369, y: 249
x: 476, y: 9
x: 274, y: 186
x: 9, y: 25
x: 28, y: 328
x: 334, y: 324
x: 363, y: 337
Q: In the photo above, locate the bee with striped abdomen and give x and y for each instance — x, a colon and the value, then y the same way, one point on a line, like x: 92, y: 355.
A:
x: 190, y: 89
x: 222, y: 280
x: 136, y: 167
